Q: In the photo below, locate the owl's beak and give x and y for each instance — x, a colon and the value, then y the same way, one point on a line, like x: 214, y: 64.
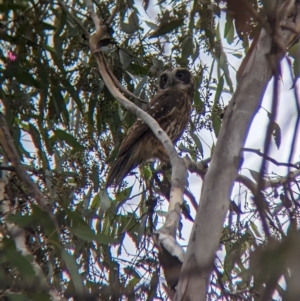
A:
x: 172, y: 82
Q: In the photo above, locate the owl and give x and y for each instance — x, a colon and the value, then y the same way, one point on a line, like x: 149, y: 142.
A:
x: 171, y: 108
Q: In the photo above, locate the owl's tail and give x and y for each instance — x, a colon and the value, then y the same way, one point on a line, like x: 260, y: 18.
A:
x: 122, y: 166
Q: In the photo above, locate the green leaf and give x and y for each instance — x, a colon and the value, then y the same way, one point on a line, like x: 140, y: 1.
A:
x: 167, y: 27
x: 47, y: 26
x: 7, y: 5
x: 23, y: 265
x: 151, y: 25
x: 157, y: 65
x: 26, y: 78
x: 255, y: 175
x: 95, y: 176
x: 187, y: 47
x: 196, y: 52
x: 133, y: 24
x: 277, y: 134
x: 46, y: 222
x: 237, y: 54
x: 104, y: 239
x: 83, y: 232
x: 60, y: 104
x: 140, y: 85
x: 134, y: 21
x: 47, y: 141
x: 49, y: 48
x: 216, y: 120
x: 125, y: 58
x: 276, y: 131
x: 183, y: 148
x: 86, y: 234
x: 105, y: 201
x: 198, y: 143
x: 21, y: 220
x: 37, y: 141
x: 95, y: 202
x: 229, y: 29
x: 16, y: 296
x: 294, y: 52
x: 73, y: 93
x: 123, y: 196
x: 147, y: 172
x: 69, y: 139
x: 255, y: 229
x: 60, y: 22
x: 73, y: 270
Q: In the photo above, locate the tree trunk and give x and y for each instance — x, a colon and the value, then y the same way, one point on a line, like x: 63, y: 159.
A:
x: 223, y: 170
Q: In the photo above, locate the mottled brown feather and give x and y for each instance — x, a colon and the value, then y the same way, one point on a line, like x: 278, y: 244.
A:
x: 171, y: 108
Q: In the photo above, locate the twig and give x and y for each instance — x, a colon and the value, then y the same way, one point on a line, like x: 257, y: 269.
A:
x: 192, y: 198
x: 122, y: 89
x: 256, y: 151
x: 197, y: 167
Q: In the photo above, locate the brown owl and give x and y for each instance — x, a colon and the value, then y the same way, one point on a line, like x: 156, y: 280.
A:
x: 171, y: 108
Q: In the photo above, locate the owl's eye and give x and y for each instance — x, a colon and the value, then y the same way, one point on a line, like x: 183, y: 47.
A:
x: 179, y: 75
x: 164, y: 78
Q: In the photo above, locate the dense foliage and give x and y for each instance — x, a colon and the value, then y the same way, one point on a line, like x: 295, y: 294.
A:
x: 67, y: 129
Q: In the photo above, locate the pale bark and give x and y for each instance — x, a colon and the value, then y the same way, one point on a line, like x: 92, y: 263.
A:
x: 223, y: 170
x: 167, y: 233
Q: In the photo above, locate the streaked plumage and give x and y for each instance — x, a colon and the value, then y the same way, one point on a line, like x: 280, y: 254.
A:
x: 171, y: 108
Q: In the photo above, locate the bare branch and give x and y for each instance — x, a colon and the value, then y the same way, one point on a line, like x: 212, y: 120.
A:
x: 258, y: 152
x: 93, y: 15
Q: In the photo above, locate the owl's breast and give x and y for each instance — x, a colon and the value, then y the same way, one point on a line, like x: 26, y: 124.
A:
x: 177, y: 124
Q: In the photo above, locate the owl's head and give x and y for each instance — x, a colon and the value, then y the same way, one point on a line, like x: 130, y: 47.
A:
x: 179, y: 78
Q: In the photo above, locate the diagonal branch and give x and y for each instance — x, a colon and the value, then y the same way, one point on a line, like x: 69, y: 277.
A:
x: 12, y: 155
x: 265, y: 156
x: 179, y: 168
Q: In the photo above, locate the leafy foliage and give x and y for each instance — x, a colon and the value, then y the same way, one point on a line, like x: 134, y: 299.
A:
x: 67, y: 128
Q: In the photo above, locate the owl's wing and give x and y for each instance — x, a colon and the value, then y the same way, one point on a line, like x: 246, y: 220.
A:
x: 162, y: 105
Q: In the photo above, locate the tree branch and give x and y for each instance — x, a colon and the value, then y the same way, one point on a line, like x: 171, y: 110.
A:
x: 179, y: 170
x: 12, y: 155
x: 258, y: 152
